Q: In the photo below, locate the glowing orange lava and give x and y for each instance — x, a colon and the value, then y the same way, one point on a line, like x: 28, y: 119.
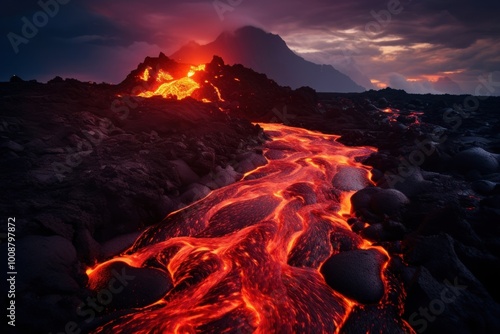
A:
x: 394, y: 113
x: 246, y: 258
x: 145, y: 75
x: 170, y: 87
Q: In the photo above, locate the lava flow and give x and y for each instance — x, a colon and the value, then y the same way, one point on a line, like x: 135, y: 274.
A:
x: 179, y: 81
x: 411, y: 117
x: 168, y: 86
x: 248, y: 257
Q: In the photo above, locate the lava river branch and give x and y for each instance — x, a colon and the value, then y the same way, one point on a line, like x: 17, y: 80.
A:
x: 273, y: 252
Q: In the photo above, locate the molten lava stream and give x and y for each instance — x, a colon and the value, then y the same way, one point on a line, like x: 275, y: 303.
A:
x: 246, y: 258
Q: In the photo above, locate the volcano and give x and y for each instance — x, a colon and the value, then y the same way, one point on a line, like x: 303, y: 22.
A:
x: 268, y: 53
x: 233, y: 88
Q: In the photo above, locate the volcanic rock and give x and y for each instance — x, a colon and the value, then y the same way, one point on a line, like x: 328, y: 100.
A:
x: 444, y: 284
x: 249, y: 161
x: 194, y: 193
x: 411, y: 184
x: 378, y: 201
x: 115, y: 246
x: 374, y: 232
x: 88, y: 250
x: 375, y: 319
x: 127, y: 286
x: 388, y: 201
x: 484, y: 186
x: 220, y: 177
x: 48, y: 263
x: 475, y: 159
x: 55, y: 225
x: 356, y: 274
x: 350, y: 178
x: 185, y: 174
x: 361, y: 200
x: 344, y: 240
x: 13, y: 146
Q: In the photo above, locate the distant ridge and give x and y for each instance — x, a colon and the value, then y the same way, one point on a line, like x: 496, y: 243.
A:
x: 268, y: 53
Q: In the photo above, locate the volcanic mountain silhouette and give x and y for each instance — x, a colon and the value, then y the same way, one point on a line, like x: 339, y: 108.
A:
x: 268, y: 53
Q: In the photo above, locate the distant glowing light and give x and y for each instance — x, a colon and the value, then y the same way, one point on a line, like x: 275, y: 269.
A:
x: 379, y: 84
x: 421, y: 46
x: 432, y: 78
x: 454, y: 72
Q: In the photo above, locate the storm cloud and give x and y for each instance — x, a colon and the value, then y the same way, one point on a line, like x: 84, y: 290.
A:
x: 398, y: 43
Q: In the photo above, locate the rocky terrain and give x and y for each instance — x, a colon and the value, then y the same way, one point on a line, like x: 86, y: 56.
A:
x: 436, y: 203
x: 86, y: 167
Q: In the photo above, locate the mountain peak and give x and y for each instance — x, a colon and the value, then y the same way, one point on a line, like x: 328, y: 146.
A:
x: 246, y: 30
x: 269, y: 54
x: 255, y: 31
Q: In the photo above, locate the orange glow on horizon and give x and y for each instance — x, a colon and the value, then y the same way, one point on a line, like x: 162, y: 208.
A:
x: 432, y: 77
x: 379, y: 84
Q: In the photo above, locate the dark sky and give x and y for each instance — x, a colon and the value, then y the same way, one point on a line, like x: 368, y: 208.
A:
x: 419, y: 42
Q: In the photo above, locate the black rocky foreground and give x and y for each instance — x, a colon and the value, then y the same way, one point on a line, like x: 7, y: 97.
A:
x: 85, y: 170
